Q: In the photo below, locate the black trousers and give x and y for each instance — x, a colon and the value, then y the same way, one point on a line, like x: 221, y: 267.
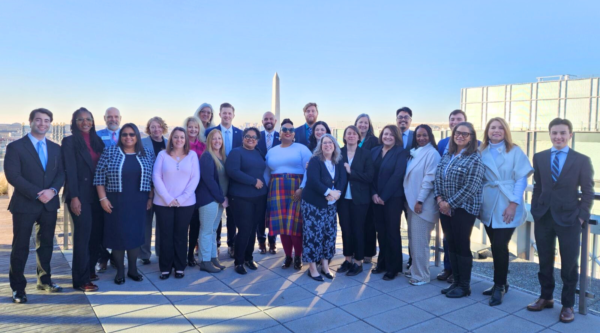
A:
x: 546, y: 231
x: 500, y: 239
x: 45, y: 223
x: 370, y: 233
x: 352, y: 221
x: 194, y: 233
x: 231, y: 226
x: 387, y: 222
x: 174, y: 223
x: 457, y: 231
x: 248, y: 214
x: 88, y: 229
x: 261, y: 234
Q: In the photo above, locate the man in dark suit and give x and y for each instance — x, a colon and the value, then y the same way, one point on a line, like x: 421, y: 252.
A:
x: 232, y: 138
x: 403, y: 120
x: 559, y: 211
x: 304, y: 131
x: 33, y: 165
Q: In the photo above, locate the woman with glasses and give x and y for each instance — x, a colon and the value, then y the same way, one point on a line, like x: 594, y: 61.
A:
x: 245, y: 167
x: 205, y: 114
x: 123, y: 180
x: 176, y: 175
x: 285, y: 165
x: 326, y: 179
x: 504, y: 182
x: 458, y: 191
x: 81, y: 152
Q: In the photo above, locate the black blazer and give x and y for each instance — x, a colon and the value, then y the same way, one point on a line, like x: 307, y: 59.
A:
x: 318, y: 180
x: 360, y: 177
x: 261, y: 146
x: 370, y: 143
x: 237, y: 135
x: 79, y: 172
x: 562, y: 198
x: 24, y: 171
x: 390, y: 181
x: 209, y: 188
x: 301, y: 136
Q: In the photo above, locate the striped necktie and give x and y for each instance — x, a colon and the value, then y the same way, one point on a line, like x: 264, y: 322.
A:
x: 555, y: 168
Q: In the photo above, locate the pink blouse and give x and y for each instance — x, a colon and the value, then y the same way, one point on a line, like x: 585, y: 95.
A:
x: 198, y: 147
x: 175, y: 180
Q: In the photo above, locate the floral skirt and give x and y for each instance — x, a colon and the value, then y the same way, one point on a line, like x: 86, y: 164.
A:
x: 319, y: 232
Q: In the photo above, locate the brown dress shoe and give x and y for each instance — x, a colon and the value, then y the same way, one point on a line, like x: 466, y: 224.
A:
x: 88, y: 287
x: 263, y: 248
x: 443, y: 276
x: 541, y: 304
x: 567, y: 315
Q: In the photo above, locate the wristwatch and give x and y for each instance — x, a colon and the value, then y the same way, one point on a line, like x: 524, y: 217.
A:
x: 420, y: 202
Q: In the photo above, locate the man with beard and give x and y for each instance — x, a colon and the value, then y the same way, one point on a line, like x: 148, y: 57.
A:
x: 403, y: 120
x: 310, y: 115
x: 33, y: 165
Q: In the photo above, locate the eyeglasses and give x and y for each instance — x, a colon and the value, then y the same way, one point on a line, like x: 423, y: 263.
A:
x: 287, y: 130
x: 327, y: 143
x: 80, y: 120
x: 403, y: 117
x: 465, y: 135
x: 124, y: 135
x: 250, y: 137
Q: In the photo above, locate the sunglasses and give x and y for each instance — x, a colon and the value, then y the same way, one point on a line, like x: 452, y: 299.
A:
x: 124, y: 135
x: 287, y: 130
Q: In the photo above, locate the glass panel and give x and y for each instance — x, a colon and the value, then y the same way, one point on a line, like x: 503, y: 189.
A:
x: 589, y: 144
x: 520, y: 139
x: 496, y: 94
x: 542, y: 141
x: 548, y: 90
x: 546, y: 111
x: 495, y: 110
x: 473, y: 112
x: 579, y: 88
x: 474, y: 95
x: 578, y: 112
x: 519, y: 115
x: 521, y: 92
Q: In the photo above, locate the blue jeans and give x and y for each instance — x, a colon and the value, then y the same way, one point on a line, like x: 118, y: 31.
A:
x: 210, y: 217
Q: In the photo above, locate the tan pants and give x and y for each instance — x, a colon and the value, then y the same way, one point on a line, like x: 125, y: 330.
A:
x: 419, y: 235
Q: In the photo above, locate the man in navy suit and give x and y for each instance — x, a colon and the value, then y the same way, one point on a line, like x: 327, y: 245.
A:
x: 311, y: 112
x: 403, y: 120
x: 232, y: 138
x: 110, y: 135
x: 559, y: 211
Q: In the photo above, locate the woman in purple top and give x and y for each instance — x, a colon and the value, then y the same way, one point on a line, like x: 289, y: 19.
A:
x: 176, y: 175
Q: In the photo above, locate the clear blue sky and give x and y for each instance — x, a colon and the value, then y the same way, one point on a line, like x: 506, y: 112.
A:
x: 167, y: 57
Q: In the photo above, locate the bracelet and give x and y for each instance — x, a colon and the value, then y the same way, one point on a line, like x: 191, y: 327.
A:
x: 103, y: 198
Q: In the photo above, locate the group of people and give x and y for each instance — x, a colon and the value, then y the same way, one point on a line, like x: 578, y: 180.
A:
x: 295, y: 182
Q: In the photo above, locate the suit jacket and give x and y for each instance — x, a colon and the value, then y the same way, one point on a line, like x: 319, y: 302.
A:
x: 442, y: 145
x: 391, y: 173
x: 237, y: 135
x: 261, y: 146
x: 80, y: 171
x: 562, y: 198
x: 418, y: 182
x: 409, y: 140
x: 105, y: 135
x: 360, y: 177
x: 370, y: 142
x: 24, y: 171
x: 147, y: 143
x: 319, y: 181
x: 301, y: 135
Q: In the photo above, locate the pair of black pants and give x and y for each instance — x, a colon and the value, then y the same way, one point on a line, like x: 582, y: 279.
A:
x: 248, y: 213
x: 86, y: 241
x: 231, y: 226
x: 447, y: 265
x: 261, y: 234
x: 194, y: 233
x: 500, y: 238
x: 174, y: 223
x: 387, y: 222
x: 45, y: 223
x: 352, y: 221
x: 457, y: 231
x: 370, y: 233
x: 546, y: 231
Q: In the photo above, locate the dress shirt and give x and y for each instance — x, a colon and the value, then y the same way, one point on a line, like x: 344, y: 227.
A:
x: 348, y: 194
x: 405, y: 138
x: 227, y: 138
x: 561, y: 157
x: 44, y: 146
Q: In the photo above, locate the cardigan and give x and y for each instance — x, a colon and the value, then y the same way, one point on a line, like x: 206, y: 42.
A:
x: 110, y: 165
x: 209, y: 188
x: 459, y: 181
x: 418, y: 182
x: 319, y: 182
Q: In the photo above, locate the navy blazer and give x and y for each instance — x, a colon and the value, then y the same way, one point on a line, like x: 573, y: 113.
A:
x: 562, y: 198
x: 79, y: 172
x: 237, y: 135
x: 209, y: 188
x: 442, y: 145
x: 261, y: 146
x: 24, y: 171
x: 318, y: 180
x: 360, y: 177
x: 301, y: 136
x: 390, y: 181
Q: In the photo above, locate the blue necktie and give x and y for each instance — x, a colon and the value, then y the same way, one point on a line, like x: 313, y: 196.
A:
x: 555, y: 169
x: 42, y: 154
x: 227, y: 143
x: 308, y: 132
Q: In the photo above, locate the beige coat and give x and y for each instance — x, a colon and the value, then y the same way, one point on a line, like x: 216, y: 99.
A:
x: 419, y: 182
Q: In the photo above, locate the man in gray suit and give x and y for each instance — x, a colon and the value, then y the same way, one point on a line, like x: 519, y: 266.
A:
x: 403, y: 120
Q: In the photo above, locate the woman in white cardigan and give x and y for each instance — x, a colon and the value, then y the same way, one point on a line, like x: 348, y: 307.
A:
x: 505, y: 179
x: 421, y: 208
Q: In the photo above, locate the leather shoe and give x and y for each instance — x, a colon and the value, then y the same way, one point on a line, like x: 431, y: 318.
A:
x: 344, y: 267
x: 389, y: 276
x: 316, y: 278
x: 287, y: 263
x: 378, y: 270
x: 192, y: 263
x: 137, y: 278
x: 497, y: 295
x: 297, y: 263
x: 327, y: 275
x: 164, y: 276
x: 51, y: 288
x: 240, y: 269
x: 179, y: 275
x: 146, y: 262
x: 490, y: 290
x: 450, y: 279
x: 251, y: 264
x: 272, y: 249
x: 444, y: 275
x: 355, y: 270
x: 541, y: 304
x: 262, y: 248
x: 119, y: 280
x: 94, y: 277
x: 567, y: 315
x: 19, y: 297
x: 88, y: 287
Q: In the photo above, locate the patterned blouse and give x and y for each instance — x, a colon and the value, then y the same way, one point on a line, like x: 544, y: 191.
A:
x: 110, y: 165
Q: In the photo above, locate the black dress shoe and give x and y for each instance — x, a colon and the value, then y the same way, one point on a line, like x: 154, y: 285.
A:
x: 389, y: 276
x: 51, y: 288
x: 327, y: 275
x: 297, y: 263
x: 94, y: 277
x: 145, y: 261
x: 137, y: 277
x: 378, y: 270
x: 288, y: 262
x: 497, y: 295
x: 316, y: 278
x: 179, y: 275
x: 164, y: 276
x: 19, y: 297
x: 119, y: 280
x: 344, y: 267
x: 490, y: 290
x: 355, y: 270
x: 192, y: 263
x: 251, y: 264
x: 240, y: 269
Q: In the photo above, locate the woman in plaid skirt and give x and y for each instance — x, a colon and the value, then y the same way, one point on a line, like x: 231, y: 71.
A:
x: 285, y: 164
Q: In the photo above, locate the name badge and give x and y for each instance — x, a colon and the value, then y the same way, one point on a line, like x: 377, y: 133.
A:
x: 105, y: 137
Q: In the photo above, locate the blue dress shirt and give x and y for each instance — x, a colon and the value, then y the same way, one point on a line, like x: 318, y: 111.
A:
x: 562, y: 157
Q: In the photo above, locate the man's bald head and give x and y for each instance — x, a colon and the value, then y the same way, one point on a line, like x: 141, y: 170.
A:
x: 269, y: 121
x: 112, y: 117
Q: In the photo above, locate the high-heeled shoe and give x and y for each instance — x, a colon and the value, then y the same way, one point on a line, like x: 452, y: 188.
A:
x: 119, y: 281
x: 136, y: 278
x: 179, y: 275
x: 164, y: 276
x: 327, y: 275
x: 316, y: 278
x: 288, y: 262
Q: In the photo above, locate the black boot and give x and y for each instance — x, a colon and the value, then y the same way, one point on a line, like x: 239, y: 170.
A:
x: 297, y: 263
x: 455, y: 274
x: 490, y: 290
x: 497, y: 295
x: 465, y: 264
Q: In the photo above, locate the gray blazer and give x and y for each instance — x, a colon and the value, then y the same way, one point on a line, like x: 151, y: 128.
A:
x: 147, y: 143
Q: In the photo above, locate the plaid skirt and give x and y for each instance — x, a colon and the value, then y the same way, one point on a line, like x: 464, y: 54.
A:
x: 284, y: 215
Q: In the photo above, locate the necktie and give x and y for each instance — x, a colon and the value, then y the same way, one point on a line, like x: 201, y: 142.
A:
x: 555, y: 170
x: 42, y: 154
x: 405, y: 138
x: 269, y: 141
x: 114, y: 137
x: 308, y: 132
x: 227, y: 143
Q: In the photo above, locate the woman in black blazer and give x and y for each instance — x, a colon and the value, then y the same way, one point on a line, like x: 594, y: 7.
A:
x: 326, y: 179
x: 354, y: 203
x: 387, y: 193
x: 81, y: 152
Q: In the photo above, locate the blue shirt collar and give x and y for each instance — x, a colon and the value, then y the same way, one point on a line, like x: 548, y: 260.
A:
x: 564, y: 150
x: 34, y: 140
